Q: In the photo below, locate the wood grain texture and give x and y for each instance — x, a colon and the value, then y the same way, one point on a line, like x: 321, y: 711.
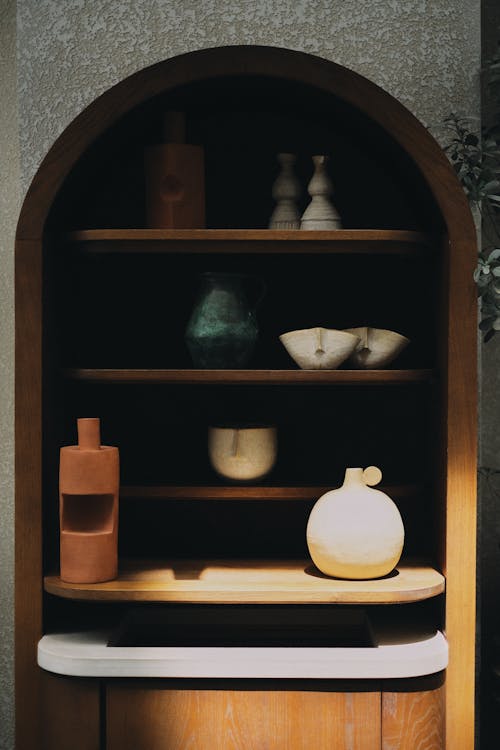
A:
x: 252, y: 377
x: 70, y: 713
x: 351, y: 241
x: 253, y: 492
x: 414, y: 721
x: 28, y: 466
x: 459, y: 454
x: 264, y: 581
x: 241, y: 720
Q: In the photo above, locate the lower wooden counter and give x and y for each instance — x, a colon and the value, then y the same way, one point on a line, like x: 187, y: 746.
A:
x: 90, y: 714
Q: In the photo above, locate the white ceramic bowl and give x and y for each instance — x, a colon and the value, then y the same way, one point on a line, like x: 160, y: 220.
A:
x: 377, y: 347
x: 319, y: 348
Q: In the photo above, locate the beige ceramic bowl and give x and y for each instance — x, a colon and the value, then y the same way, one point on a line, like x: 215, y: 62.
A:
x: 377, y: 347
x: 242, y: 454
x: 319, y: 348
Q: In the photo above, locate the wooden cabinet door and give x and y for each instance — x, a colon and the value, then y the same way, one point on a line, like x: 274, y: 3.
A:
x: 155, y: 718
x: 413, y: 720
x: 70, y: 713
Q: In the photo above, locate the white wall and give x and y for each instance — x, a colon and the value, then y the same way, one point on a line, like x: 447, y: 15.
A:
x: 424, y: 52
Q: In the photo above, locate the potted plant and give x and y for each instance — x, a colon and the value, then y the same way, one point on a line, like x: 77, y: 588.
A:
x: 476, y: 160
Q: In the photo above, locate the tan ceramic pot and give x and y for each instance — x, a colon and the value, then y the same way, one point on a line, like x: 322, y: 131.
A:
x: 355, y: 532
x: 319, y: 348
x: 88, y: 507
x: 377, y: 347
x: 242, y: 454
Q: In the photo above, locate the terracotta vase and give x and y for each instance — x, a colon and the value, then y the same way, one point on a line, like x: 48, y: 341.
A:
x: 356, y: 532
x: 175, y: 180
x: 89, y: 480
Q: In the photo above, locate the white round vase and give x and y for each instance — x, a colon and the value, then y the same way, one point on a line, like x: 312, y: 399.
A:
x: 355, y: 532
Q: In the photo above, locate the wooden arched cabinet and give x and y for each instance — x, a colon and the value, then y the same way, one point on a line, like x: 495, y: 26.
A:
x: 101, y: 308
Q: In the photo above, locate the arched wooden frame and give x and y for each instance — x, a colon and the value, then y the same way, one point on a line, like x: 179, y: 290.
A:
x: 457, y: 365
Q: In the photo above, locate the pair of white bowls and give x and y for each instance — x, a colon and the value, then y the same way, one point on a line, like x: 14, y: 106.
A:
x: 327, y: 348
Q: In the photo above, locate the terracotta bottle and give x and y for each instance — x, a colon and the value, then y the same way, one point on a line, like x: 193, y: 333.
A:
x: 175, y: 179
x: 356, y: 532
x: 89, y: 480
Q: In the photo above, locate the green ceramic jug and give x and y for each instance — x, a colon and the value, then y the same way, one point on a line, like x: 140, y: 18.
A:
x: 222, y: 330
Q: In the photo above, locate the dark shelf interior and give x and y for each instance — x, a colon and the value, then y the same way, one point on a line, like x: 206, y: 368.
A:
x: 132, y: 311
x: 242, y: 123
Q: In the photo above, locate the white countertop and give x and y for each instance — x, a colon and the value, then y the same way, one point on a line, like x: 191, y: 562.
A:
x: 87, y: 654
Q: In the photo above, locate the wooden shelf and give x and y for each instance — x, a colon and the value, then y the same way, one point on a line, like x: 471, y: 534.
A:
x: 385, y: 241
x: 245, y: 492
x: 247, y: 581
x: 252, y: 377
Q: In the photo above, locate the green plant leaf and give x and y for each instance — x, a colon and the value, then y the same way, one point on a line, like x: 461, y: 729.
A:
x: 486, y: 323
x: 471, y: 140
x: 490, y: 186
x: 475, y: 157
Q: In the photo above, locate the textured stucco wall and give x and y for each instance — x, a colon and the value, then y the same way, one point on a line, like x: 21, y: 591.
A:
x: 9, y: 209
x: 424, y: 52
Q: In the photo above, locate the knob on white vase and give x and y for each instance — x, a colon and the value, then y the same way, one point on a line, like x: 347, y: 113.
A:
x: 356, y: 532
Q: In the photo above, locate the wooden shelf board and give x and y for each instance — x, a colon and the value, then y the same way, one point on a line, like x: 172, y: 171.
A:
x: 386, y: 241
x: 250, y: 581
x: 245, y: 492
x: 252, y: 377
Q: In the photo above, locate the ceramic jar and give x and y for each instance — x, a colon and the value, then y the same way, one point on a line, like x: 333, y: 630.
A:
x: 222, y: 330
x: 320, y: 213
x: 355, y: 532
x: 175, y: 179
x: 241, y: 453
x: 89, y: 480
x: 286, y: 192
